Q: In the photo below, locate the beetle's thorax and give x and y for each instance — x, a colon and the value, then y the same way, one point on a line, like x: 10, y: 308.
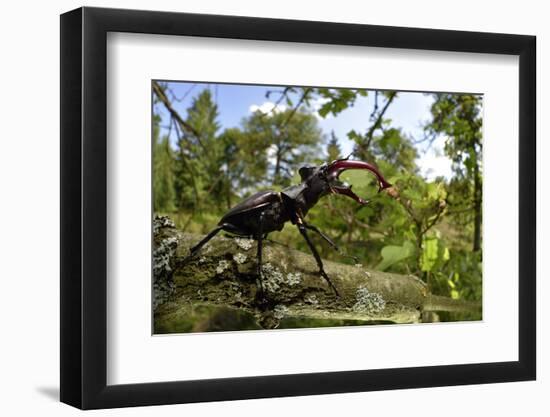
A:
x: 306, y: 195
x: 312, y: 194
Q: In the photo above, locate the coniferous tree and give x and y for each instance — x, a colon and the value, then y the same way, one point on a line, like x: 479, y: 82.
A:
x: 459, y: 117
x: 163, y: 178
x: 290, y: 137
x: 163, y: 172
x: 199, y: 153
x: 333, y: 148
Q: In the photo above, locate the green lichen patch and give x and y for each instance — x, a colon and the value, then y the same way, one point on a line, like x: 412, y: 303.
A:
x: 274, y: 278
x: 243, y: 243
x: 311, y: 299
x: 163, y: 260
x: 293, y: 278
x: 240, y: 258
x: 280, y: 311
x: 222, y: 266
x: 368, y: 302
x: 161, y: 222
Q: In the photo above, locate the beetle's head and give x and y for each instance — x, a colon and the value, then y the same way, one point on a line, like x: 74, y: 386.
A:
x: 326, y: 178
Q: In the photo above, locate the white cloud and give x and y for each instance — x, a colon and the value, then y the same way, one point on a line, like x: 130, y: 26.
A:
x: 267, y: 107
x: 433, y: 163
x: 271, y: 154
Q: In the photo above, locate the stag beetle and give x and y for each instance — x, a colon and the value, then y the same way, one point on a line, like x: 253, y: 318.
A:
x: 268, y: 211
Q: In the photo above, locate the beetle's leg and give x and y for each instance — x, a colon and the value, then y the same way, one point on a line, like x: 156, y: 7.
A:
x: 195, y: 249
x: 260, y: 238
x: 303, y: 231
x: 329, y: 241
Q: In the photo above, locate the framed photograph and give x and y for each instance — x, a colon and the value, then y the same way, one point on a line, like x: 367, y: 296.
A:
x: 257, y: 208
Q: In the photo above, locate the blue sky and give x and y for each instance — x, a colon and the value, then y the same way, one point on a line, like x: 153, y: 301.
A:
x: 235, y: 101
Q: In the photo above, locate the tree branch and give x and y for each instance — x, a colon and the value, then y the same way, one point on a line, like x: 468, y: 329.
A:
x: 296, y: 107
x: 223, y: 274
x: 159, y: 92
x: 379, y: 118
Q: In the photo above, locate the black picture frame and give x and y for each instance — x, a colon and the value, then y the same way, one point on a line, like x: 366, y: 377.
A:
x: 84, y: 207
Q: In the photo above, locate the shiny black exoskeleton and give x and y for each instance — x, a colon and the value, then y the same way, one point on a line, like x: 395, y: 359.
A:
x: 268, y: 211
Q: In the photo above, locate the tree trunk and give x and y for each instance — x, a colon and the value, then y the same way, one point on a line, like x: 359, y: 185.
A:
x: 277, y: 171
x: 478, y: 193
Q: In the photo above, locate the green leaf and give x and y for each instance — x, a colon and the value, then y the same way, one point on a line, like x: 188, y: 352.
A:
x: 356, y: 137
x: 325, y: 109
x: 434, y: 253
x: 392, y: 254
x: 429, y: 253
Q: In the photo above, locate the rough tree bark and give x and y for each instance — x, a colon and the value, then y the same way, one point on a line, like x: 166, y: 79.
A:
x: 223, y: 274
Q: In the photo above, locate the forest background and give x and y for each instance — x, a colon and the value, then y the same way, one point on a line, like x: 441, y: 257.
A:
x: 214, y: 144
